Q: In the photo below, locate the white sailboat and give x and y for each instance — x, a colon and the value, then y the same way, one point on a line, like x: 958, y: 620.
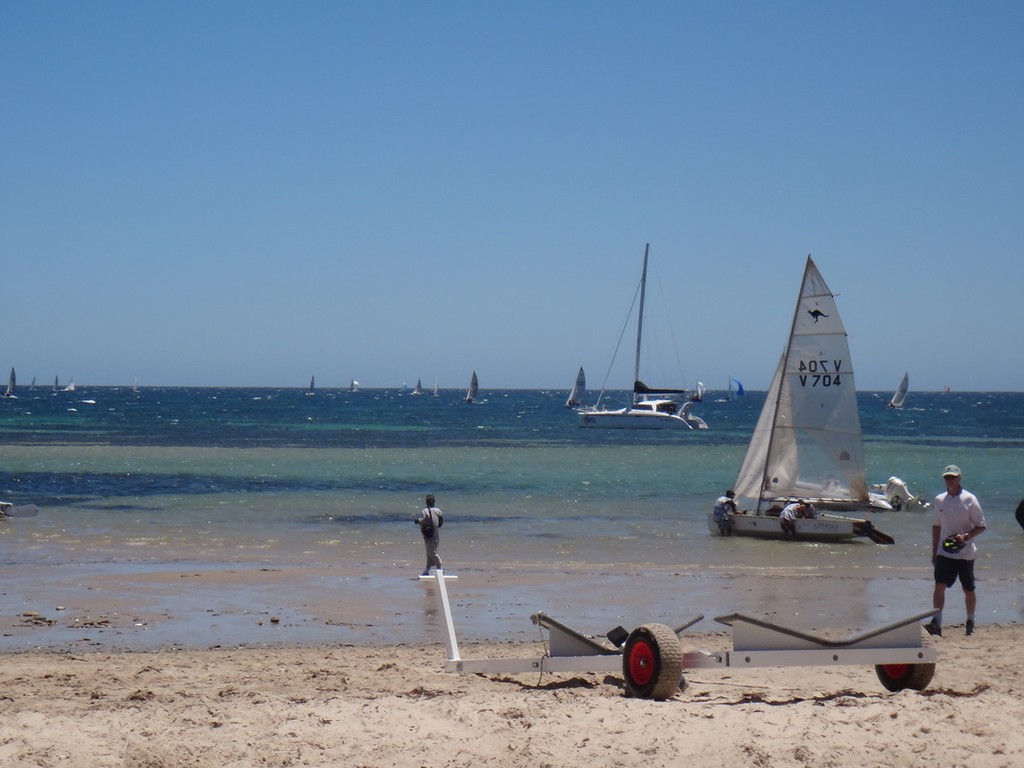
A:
x: 578, y: 388
x: 418, y: 389
x: 474, y: 385
x: 353, y: 386
x: 71, y: 386
x: 651, y: 408
x: 807, y: 443
x: 11, y: 382
x: 312, y: 386
x: 435, y: 391
x: 900, y: 395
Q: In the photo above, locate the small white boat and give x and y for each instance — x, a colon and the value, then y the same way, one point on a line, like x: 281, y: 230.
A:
x: 70, y: 387
x: 900, y: 395
x: 579, y: 387
x: 11, y: 385
x: 418, y: 389
x: 353, y: 386
x: 474, y: 386
x: 312, y: 386
x: 435, y: 391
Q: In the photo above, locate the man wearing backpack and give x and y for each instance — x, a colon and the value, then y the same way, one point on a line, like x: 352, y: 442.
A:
x: 430, y: 521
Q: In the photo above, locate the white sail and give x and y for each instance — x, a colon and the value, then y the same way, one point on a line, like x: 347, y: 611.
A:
x: 474, y: 385
x: 11, y: 382
x: 312, y: 386
x: 578, y: 389
x: 353, y: 386
x: 807, y: 442
x: 436, y: 391
x: 418, y: 389
x: 901, y: 392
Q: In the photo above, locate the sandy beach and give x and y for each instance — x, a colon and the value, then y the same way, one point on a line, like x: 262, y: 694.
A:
x: 395, y: 706
x: 88, y: 690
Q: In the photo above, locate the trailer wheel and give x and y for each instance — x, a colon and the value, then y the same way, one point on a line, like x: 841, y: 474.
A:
x: 652, y: 662
x: 896, y: 677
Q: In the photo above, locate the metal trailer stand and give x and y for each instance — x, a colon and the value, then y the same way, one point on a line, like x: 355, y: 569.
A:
x: 651, y: 660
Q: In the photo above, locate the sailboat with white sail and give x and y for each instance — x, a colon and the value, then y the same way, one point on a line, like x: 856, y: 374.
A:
x: 418, y: 389
x: 312, y: 386
x: 651, y: 408
x: 900, y: 395
x: 474, y: 386
x: 807, y: 443
x: 11, y: 385
x: 579, y: 387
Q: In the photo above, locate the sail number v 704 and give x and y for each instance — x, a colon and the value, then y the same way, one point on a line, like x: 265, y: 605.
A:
x: 820, y: 373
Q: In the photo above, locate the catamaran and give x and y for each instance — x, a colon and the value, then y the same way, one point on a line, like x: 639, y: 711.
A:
x: 807, y: 443
x: 652, y: 408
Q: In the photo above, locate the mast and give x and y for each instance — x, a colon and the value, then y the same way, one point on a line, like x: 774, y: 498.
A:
x: 640, y: 320
x: 783, y: 367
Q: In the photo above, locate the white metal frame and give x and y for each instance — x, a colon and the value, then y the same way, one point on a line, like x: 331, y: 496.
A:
x: 756, y: 643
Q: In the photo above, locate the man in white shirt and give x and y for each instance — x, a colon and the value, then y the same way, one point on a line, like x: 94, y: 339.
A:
x: 957, y: 521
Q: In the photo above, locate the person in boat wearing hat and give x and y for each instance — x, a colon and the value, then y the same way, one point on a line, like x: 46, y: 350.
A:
x: 957, y: 521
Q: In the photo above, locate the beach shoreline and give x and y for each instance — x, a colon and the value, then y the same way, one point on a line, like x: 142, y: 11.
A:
x: 105, y: 606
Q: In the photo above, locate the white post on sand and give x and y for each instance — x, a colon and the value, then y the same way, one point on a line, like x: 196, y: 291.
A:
x: 451, y: 643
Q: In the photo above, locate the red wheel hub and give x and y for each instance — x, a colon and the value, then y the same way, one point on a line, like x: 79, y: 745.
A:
x: 641, y: 663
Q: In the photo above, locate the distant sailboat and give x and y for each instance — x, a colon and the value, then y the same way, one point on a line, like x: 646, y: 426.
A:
x: 435, y: 392
x: 56, y: 383
x: 70, y: 387
x: 418, y: 389
x: 353, y: 386
x: 312, y: 386
x: 474, y: 385
x: 901, y: 392
x: 651, y: 408
x: 10, y: 385
x: 578, y: 389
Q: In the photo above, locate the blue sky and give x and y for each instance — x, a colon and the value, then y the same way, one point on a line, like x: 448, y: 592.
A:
x: 249, y: 193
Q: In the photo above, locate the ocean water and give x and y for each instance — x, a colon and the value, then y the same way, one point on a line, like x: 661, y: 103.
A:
x: 174, y: 477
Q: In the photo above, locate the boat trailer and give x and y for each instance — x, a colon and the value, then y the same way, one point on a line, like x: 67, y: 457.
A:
x: 651, y: 660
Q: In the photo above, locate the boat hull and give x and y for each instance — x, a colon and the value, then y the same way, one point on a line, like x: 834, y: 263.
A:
x: 632, y: 419
x: 822, y: 528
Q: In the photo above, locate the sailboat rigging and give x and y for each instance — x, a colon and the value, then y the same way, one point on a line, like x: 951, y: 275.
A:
x: 651, y: 408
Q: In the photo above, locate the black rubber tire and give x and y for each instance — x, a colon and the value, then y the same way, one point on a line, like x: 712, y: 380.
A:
x: 652, y: 662
x: 897, y: 677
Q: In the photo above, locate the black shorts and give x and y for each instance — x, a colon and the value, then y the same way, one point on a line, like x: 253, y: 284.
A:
x: 947, y: 569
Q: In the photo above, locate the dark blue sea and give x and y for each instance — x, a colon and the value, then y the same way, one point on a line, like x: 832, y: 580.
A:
x: 177, y: 478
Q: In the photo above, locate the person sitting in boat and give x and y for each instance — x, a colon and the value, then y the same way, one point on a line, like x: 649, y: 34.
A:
x: 724, y: 508
x: 798, y: 510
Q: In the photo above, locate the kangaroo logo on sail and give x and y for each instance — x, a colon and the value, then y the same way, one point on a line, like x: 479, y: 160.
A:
x: 816, y: 313
x: 820, y: 373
